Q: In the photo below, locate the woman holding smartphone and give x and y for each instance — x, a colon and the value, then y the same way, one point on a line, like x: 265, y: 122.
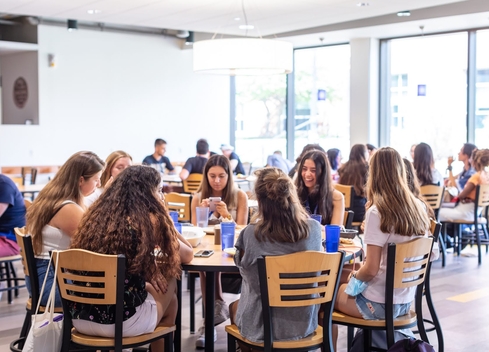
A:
x: 217, y: 182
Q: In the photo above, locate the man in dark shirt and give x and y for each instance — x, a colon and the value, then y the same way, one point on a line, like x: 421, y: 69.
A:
x: 195, y: 164
x: 12, y: 215
x: 158, y: 160
x: 236, y: 165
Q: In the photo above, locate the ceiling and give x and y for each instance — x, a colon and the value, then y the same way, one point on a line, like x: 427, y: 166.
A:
x: 302, y: 21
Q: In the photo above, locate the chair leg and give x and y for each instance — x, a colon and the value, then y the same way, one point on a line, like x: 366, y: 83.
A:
x: 367, y: 340
x: 435, y: 321
x: 350, y: 333
x: 231, y: 343
x: 443, y: 246
x: 169, y: 342
x: 191, y: 287
x: 9, y: 282
x: 478, y: 239
x: 14, y: 277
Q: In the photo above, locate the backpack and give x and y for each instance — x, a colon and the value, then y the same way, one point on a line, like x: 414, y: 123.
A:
x: 411, y: 345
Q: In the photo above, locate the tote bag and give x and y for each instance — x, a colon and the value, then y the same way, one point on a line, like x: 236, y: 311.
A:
x: 46, y: 333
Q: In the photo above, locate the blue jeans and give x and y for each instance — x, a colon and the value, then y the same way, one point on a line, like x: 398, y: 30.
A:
x: 376, y: 311
x: 42, y: 267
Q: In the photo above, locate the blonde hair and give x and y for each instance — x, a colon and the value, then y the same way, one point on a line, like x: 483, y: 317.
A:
x: 387, y: 188
x: 109, y: 164
x: 64, y: 186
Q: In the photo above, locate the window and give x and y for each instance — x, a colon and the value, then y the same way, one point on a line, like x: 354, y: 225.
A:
x: 482, y: 90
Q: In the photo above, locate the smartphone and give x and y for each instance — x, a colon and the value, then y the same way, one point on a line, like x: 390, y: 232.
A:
x: 204, y: 253
x: 212, y: 203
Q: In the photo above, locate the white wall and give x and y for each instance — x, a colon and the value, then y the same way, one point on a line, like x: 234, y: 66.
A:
x: 113, y: 91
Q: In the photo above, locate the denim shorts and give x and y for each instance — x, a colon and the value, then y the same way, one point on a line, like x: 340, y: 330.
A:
x: 42, y: 267
x: 376, y: 311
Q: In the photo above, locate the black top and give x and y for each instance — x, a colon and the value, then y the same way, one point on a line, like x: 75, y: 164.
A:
x: 150, y: 160
x: 195, y: 165
x: 239, y: 168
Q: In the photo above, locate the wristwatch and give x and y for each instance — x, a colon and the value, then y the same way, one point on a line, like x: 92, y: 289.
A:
x: 449, y: 168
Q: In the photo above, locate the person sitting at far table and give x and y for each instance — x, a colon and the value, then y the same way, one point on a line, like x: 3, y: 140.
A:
x: 236, y: 165
x: 12, y: 215
x: 158, y: 160
x: 195, y: 164
x: 461, y: 179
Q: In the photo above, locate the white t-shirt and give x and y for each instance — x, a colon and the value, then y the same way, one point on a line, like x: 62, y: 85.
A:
x: 375, y: 290
x: 89, y: 200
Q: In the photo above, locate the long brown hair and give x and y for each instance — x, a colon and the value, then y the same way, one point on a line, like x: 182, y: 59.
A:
x: 229, y: 193
x: 354, y: 171
x: 130, y: 218
x: 64, y: 186
x: 414, y: 187
x: 480, y: 159
x: 109, y: 164
x: 400, y: 212
x: 423, y: 163
x: 280, y: 216
x: 322, y: 194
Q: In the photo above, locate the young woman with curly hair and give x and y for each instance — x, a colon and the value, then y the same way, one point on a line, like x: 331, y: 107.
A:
x: 115, y: 163
x: 424, y: 164
x: 57, y: 210
x: 130, y: 218
x: 465, y: 209
x: 316, y: 191
x: 281, y: 226
x: 354, y: 173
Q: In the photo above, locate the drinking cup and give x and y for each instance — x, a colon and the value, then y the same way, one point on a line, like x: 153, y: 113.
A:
x: 317, y: 217
x: 332, y: 237
x: 217, y: 234
x: 174, y: 216
x: 227, y: 234
x: 178, y: 226
x: 202, y: 216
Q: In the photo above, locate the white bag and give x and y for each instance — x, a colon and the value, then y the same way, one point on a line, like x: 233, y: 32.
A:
x: 46, y: 333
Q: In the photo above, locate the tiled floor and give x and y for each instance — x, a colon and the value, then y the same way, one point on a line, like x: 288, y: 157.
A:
x: 460, y: 291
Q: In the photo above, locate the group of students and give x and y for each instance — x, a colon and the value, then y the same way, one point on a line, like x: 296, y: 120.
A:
x: 127, y: 215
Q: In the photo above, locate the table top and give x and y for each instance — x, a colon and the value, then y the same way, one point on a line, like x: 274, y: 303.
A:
x: 30, y: 188
x: 171, y: 178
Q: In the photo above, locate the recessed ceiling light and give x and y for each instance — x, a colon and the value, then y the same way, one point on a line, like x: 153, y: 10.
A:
x: 404, y: 13
x: 246, y: 26
x: 362, y: 4
x: 237, y: 19
x: 93, y: 12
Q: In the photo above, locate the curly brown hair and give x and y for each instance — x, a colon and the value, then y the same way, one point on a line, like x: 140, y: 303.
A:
x: 130, y: 218
x: 480, y: 159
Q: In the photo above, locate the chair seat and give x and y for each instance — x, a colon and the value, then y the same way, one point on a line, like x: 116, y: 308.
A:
x: 99, y: 341
x: 316, y: 338
x: 399, y: 322
x: 28, y: 305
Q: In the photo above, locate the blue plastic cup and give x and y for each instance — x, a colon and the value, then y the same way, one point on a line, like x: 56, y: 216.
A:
x: 332, y: 238
x: 227, y: 234
x: 178, y: 226
x: 317, y: 217
x: 174, y: 216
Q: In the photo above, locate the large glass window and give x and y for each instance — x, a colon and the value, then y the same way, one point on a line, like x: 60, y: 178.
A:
x: 482, y: 90
x: 322, y: 97
x: 260, y: 117
x: 428, y: 94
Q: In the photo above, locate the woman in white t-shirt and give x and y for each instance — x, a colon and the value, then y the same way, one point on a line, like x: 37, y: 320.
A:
x: 395, y: 216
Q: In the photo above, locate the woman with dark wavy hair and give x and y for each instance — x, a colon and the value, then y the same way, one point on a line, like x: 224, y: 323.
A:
x: 130, y: 218
x: 354, y: 173
x: 315, y: 188
x: 424, y: 164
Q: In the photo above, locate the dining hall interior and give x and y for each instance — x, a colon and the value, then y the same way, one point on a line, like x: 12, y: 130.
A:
x: 387, y: 73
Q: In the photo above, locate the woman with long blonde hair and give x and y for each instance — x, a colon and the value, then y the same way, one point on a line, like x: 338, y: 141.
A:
x: 56, y: 212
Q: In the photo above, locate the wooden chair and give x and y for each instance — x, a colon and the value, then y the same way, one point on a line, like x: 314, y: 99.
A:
x: 192, y: 183
x: 179, y: 202
x: 479, y: 222
x: 29, y: 175
x: 433, y: 195
x: 403, y: 271
x: 347, y: 192
x: 29, y: 264
x: 348, y: 219
x: 87, y: 277
x: 320, y: 272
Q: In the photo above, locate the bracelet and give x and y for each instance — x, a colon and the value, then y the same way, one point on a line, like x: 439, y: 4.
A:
x: 449, y: 168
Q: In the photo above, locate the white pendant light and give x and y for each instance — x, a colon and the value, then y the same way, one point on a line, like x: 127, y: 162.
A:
x: 243, y: 56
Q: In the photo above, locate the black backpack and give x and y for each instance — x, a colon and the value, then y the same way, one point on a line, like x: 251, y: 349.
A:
x: 411, y: 345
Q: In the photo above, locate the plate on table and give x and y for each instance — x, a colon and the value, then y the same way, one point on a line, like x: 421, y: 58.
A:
x: 209, y: 230
x: 230, y: 251
x: 348, y: 233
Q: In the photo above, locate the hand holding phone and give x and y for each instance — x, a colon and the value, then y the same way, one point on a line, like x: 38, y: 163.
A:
x: 212, y: 203
x: 205, y: 253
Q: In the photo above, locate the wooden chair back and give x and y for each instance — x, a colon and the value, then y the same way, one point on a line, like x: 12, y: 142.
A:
x: 179, y: 202
x: 347, y: 192
x: 433, y: 195
x: 482, y: 196
x: 24, y: 241
x: 435, y: 228
x: 348, y: 219
x: 29, y: 175
x: 192, y: 183
x: 297, y: 280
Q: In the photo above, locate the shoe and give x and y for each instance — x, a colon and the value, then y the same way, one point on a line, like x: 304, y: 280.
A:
x: 221, y: 312
x: 200, y: 342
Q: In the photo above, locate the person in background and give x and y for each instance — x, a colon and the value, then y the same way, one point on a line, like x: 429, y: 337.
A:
x: 115, y: 163
x: 411, y: 151
x: 218, y: 182
x: 55, y: 214
x: 388, y: 192
x: 354, y: 173
x: 281, y: 226
x: 307, y: 147
x: 195, y: 164
x: 461, y: 179
x: 138, y: 223
x: 413, y: 184
x: 277, y: 160
x: 334, y: 157
x: 424, y: 164
x: 236, y: 165
x: 315, y: 189
x: 158, y: 160
x: 371, y: 149
x: 12, y: 215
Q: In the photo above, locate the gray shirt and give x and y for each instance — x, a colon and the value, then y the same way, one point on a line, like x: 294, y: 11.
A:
x: 288, y: 323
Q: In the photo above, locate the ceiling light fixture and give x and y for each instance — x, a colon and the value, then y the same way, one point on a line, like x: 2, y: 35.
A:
x: 246, y: 26
x: 93, y: 12
x: 72, y: 25
x: 243, y: 56
x: 362, y: 4
x: 182, y: 34
x: 404, y: 14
